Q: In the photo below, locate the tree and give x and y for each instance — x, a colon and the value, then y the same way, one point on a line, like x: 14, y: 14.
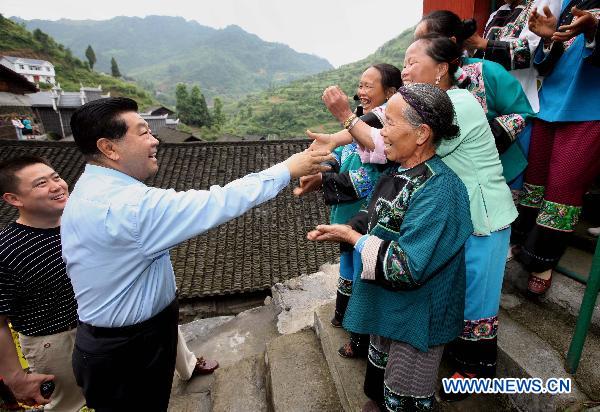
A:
x: 114, y: 68
x: 218, y: 117
x: 199, y: 115
x: 91, y: 56
x: 43, y: 39
x: 182, y: 104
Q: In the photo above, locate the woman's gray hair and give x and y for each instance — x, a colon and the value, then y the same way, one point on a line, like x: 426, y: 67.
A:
x: 430, y: 105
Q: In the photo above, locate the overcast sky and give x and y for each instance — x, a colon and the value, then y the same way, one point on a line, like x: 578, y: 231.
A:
x: 342, y: 31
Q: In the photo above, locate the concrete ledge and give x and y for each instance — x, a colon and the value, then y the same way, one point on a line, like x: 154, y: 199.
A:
x: 243, y: 336
x: 296, y: 299
x: 297, y: 375
x: 348, y: 374
x: 522, y: 354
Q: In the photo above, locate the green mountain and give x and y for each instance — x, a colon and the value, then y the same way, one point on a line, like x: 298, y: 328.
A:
x: 71, y: 72
x: 162, y: 51
x: 287, y: 111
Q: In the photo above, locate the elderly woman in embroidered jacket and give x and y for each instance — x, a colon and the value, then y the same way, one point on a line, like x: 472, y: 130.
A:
x: 410, y: 296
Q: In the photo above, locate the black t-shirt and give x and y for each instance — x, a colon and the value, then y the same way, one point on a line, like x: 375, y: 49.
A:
x: 35, y: 291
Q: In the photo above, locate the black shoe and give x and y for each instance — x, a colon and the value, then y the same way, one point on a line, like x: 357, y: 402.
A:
x: 351, y: 351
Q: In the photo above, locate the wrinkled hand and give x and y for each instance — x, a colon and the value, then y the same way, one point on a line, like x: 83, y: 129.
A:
x: 321, y: 141
x: 334, y: 233
x: 27, y: 388
x: 475, y: 42
x: 308, y: 184
x: 337, y: 103
x: 308, y: 163
x: 584, y: 22
x: 543, y: 25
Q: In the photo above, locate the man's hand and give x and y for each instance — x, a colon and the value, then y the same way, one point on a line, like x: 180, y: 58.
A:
x: 543, y: 25
x: 309, y: 184
x: 26, y: 387
x: 475, y: 42
x: 584, y: 22
x: 308, y: 163
x: 337, y: 103
x: 334, y: 233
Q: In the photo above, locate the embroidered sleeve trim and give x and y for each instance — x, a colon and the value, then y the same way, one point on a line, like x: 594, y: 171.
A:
x: 396, y: 269
x: 558, y: 216
x: 369, y: 256
x: 512, y: 123
x: 532, y: 195
x: 520, y: 55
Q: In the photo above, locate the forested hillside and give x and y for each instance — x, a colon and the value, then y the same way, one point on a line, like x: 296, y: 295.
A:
x: 71, y: 72
x: 161, y: 51
x: 289, y: 110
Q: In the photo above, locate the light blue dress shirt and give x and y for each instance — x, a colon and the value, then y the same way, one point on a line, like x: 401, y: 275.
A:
x: 116, y: 234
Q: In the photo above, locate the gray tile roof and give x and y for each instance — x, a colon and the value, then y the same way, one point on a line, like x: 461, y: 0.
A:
x: 67, y: 99
x: 25, y: 60
x: 250, y: 253
x: 70, y: 99
x: 170, y: 135
x: 11, y: 99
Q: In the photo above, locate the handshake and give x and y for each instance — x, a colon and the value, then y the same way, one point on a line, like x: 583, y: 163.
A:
x: 308, y: 162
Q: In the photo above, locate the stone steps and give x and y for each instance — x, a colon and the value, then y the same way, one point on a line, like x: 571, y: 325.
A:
x: 241, y: 386
x: 263, y: 370
x: 523, y: 354
x: 348, y: 374
x: 298, y: 378
x: 238, y: 343
x: 536, y: 333
x: 565, y: 295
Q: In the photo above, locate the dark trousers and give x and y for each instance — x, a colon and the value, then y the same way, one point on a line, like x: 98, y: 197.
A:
x: 128, y: 368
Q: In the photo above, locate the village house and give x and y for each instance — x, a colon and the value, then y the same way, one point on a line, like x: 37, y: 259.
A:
x: 36, y: 71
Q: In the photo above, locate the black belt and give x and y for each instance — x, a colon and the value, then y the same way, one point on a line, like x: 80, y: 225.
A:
x: 172, y: 310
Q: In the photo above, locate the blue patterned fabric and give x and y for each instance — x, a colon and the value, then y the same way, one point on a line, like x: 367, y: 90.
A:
x: 363, y: 176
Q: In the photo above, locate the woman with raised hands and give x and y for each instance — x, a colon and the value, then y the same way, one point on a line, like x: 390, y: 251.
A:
x: 350, y: 182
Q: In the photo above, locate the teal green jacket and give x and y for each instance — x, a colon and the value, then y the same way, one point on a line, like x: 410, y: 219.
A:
x: 412, y: 276
x: 474, y: 158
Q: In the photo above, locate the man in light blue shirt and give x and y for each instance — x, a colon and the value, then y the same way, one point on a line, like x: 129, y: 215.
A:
x: 116, y: 235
